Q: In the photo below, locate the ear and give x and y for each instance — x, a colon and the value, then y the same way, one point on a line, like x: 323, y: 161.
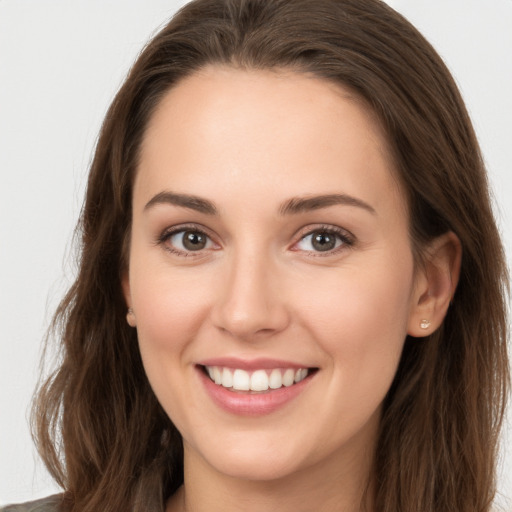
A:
x: 435, y: 284
x: 125, y: 283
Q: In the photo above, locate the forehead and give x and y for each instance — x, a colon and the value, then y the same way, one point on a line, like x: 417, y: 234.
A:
x: 272, y: 131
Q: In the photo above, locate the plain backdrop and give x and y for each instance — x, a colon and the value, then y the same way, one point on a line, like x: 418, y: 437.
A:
x: 61, y: 62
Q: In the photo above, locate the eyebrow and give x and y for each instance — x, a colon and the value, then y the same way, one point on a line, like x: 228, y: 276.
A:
x: 303, y: 204
x: 292, y: 206
x: 184, y: 200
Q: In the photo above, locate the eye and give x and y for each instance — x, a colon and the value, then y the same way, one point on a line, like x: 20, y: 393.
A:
x: 186, y: 240
x: 326, y: 240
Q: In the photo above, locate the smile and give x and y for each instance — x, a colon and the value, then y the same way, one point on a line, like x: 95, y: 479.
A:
x: 258, y: 381
x: 256, y: 387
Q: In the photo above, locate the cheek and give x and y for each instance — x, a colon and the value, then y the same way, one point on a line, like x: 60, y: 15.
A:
x: 169, y: 306
x: 360, y: 318
x: 170, y: 310
x: 354, y: 300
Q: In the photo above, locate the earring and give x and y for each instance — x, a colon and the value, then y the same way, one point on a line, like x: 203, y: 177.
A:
x: 130, y: 317
x: 424, y: 324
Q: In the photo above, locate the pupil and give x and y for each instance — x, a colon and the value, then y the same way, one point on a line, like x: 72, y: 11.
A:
x: 194, y: 241
x: 323, y: 241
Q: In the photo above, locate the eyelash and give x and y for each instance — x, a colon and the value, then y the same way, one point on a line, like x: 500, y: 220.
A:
x: 347, y: 239
x: 167, y: 234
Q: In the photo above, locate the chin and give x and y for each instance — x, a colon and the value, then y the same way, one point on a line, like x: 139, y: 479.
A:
x: 252, y: 459
x: 256, y: 470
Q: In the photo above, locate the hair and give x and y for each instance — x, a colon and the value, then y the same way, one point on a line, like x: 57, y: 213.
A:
x: 98, y: 425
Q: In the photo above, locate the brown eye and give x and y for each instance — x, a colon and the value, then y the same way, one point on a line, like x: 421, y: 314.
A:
x: 322, y: 241
x: 188, y: 240
x: 194, y: 241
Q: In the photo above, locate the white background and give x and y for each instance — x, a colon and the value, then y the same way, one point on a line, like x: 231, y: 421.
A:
x: 61, y: 62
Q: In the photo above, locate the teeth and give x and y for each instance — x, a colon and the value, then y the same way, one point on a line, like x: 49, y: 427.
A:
x: 276, y: 379
x: 259, y: 380
x: 300, y: 374
x: 241, y: 380
x: 227, y: 378
x: 288, y: 377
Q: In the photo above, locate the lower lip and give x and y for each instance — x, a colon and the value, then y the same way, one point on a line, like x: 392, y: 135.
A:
x: 247, y: 404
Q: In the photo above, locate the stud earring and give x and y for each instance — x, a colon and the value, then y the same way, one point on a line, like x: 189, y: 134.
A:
x: 424, y: 324
x: 130, y: 317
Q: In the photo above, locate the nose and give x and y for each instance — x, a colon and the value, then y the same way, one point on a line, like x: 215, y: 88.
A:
x: 250, y: 302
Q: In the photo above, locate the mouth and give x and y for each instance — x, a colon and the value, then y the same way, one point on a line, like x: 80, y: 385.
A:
x: 257, y: 381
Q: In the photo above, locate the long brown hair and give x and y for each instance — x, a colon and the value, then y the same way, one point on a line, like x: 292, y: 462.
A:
x: 98, y: 425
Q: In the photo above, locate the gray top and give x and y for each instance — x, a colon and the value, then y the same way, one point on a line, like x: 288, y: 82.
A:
x: 49, y: 504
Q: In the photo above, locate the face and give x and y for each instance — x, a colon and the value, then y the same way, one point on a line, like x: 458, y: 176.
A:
x: 270, y: 271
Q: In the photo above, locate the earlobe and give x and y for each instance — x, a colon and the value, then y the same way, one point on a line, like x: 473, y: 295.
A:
x: 435, y: 285
x: 130, y: 318
x: 130, y: 315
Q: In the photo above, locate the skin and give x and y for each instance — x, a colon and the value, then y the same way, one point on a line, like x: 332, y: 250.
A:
x: 248, y: 141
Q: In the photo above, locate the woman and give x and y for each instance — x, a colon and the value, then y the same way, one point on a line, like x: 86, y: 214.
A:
x: 291, y: 289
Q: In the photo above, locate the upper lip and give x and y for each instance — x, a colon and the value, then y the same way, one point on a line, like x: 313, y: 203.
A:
x: 252, y: 364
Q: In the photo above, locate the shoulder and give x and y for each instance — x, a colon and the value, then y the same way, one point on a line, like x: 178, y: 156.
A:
x: 49, y: 504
